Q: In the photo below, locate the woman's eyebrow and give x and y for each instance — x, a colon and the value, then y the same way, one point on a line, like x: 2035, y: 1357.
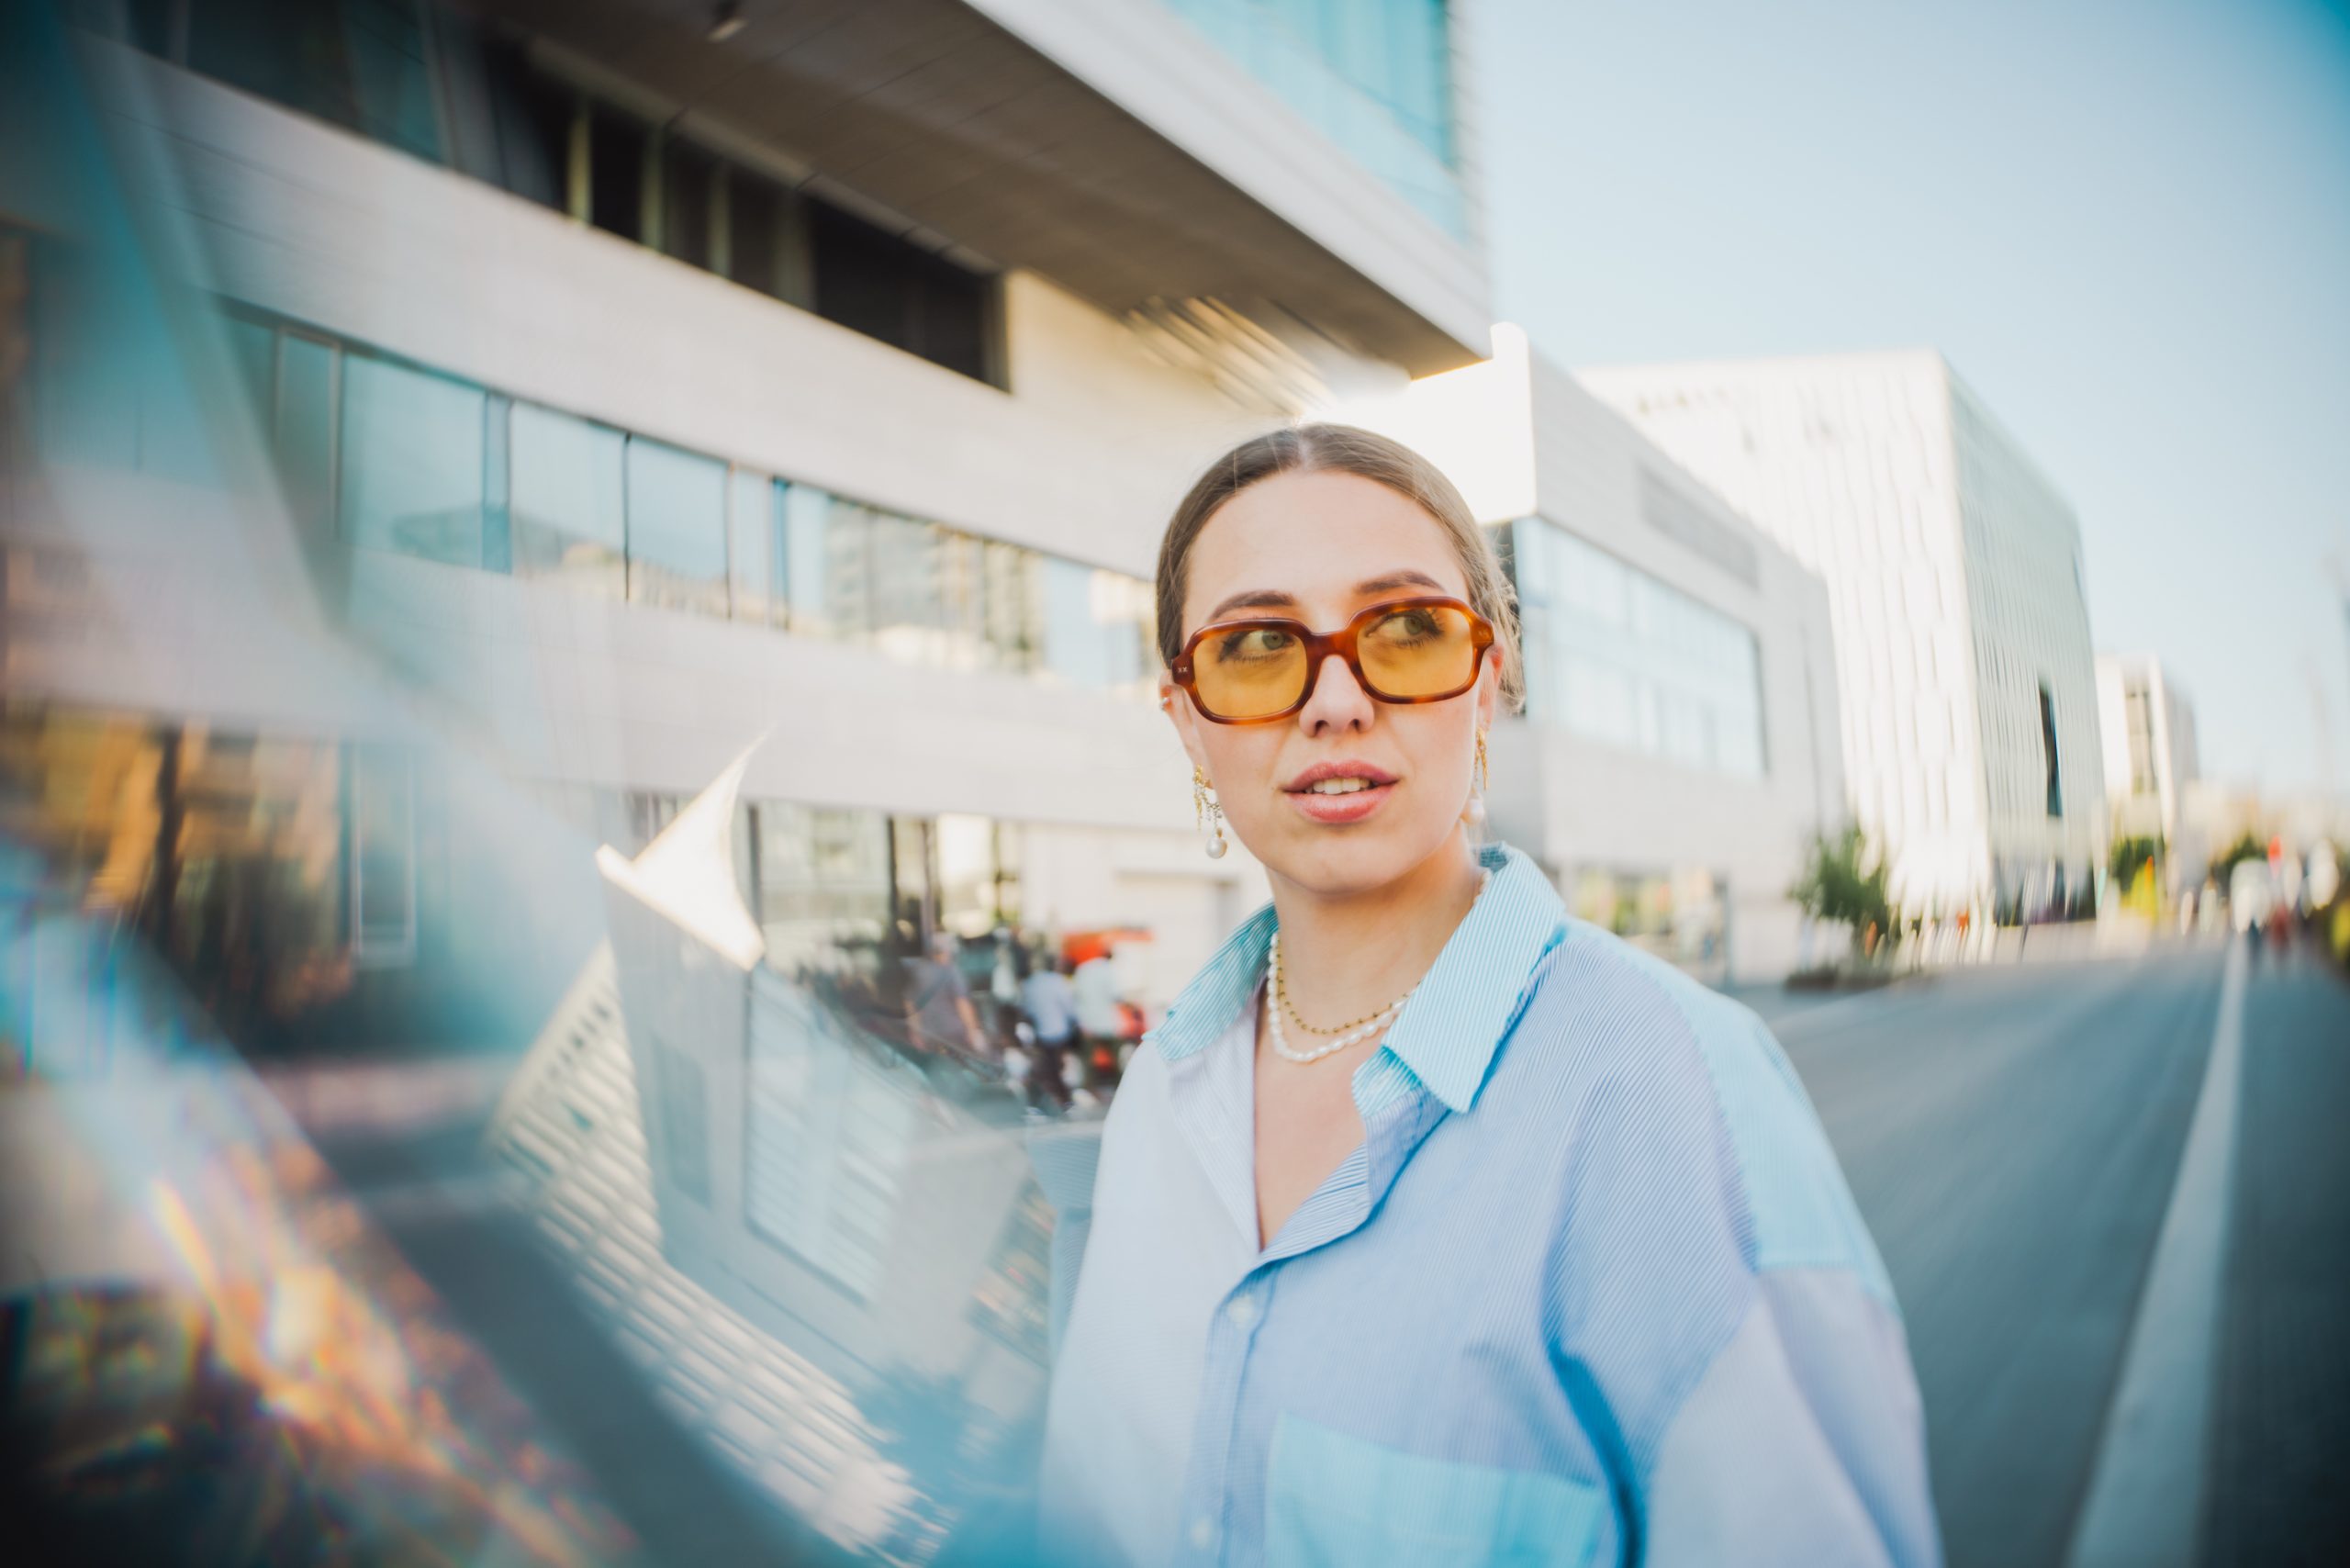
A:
x: 1273, y: 598
x: 1404, y: 578
x: 1254, y: 598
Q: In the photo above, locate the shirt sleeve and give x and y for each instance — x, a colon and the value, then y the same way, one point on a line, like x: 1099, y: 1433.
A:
x: 1802, y: 1443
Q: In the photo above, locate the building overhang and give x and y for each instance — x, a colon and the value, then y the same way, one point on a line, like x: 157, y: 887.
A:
x: 1104, y: 145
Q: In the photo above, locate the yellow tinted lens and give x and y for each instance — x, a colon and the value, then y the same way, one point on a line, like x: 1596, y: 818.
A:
x: 1419, y: 651
x: 1248, y: 672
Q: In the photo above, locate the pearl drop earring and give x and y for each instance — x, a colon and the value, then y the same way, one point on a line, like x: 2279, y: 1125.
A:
x: 1204, y: 811
x: 1475, y: 812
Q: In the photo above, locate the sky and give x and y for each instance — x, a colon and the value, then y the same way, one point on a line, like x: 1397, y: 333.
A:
x: 2127, y: 227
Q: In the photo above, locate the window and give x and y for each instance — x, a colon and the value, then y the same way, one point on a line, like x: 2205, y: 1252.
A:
x: 755, y: 547
x: 825, y: 552
x: 676, y: 528
x: 767, y: 239
x: 877, y: 283
x: 411, y: 466
x: 1013, y: 614
x: 530, y: 118
x: 358, y: 63
x: 689, y: 176
x: 1094, y: 626
x: 908, y: 613
x: 383, y: 855
x: 1621, y: 657
x: 617, y: 143
x: 823, y: 885
x: 445, y: 86
x: 2048, y: 751
x: 566, y: 500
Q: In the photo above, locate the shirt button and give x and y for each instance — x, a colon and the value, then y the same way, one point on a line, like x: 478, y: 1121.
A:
x: 1241, y: 1310
x: 1203, y: 1533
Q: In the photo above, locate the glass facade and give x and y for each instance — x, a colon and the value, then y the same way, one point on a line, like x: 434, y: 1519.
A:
x: 395, y: 458
x: 1373, y: 75
x: 439, y: 86
x: 411, y: 476
x: 676, y: 528
x: 1618, y: 656
x: 569, y: 501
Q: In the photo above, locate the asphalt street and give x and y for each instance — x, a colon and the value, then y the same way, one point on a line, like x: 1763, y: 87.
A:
x: 2013, y: 1137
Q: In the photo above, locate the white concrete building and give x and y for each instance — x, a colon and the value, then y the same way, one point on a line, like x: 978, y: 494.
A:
x: 2148, y: 729
x: 1680, y: 743
x: 1954, y: 574
x: 613, y: 392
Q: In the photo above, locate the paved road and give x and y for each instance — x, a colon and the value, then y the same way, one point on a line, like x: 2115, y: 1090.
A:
x: 2012, y: 1136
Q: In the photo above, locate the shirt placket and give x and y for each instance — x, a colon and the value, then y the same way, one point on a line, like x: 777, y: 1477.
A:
x: 1336, y: 1210
x: 1208, y: 1492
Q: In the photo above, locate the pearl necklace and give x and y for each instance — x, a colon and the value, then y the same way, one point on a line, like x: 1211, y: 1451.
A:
x: 1369, y: 1026
x: 1379, y: 1020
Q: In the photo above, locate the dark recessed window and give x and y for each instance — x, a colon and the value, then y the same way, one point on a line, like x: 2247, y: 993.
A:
x: 2048, y: 752
x: 875, y: 282
x: 616, y: 148
x: 532, y: 115
x: 360, y: 64
x: 688, y: 176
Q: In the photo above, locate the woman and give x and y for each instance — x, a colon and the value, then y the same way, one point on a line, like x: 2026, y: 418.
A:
x: 1433, y: 1226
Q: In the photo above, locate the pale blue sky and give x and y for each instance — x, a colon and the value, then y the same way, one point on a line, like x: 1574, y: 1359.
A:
x: 2127, y: 224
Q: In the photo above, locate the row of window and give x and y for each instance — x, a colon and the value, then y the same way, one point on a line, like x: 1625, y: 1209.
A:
x: 1618, y: 656
x: 1375, y: 75
x: 389, y: 456
x: 446, y: 88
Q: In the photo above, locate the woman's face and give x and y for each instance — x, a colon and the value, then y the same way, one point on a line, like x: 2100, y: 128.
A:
x: 1319, y: 547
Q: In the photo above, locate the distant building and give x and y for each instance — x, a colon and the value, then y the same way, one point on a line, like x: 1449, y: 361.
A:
x: 1679, y: 748
x: 1955, y: 583
x: 2148, y: 728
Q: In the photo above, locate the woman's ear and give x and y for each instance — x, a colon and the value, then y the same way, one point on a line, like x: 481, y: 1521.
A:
x: 1176, y: 704
x: 1488, y: 689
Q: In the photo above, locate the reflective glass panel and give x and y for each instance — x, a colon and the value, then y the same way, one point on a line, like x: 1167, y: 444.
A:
x: 825, y: 552
x: 676, y: 528
x: 909, y: 611
x: 411, y: 462
x: 566, y: 508
x: 755, y: 524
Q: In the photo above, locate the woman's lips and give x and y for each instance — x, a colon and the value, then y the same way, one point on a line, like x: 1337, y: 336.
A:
x: 1350, y: 807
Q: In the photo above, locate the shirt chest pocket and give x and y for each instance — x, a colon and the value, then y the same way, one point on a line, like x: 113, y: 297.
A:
x: 1335, y: 1501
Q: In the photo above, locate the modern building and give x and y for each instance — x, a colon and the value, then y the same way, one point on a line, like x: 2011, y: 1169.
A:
x: 2148, y: 728
x: 1954, y: 582
x: 445, y: 436
x: 1679, y: 749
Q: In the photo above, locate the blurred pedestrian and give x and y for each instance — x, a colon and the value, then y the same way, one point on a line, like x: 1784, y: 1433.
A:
x: 938, y: 1003
x: 1429, y: 1225
x: 1050, y: 1002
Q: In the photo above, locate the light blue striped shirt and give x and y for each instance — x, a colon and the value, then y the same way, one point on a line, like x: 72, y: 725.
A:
x: 1591, y: 1290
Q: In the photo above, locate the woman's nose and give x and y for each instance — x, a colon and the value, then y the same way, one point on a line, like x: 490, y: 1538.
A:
x: 1338, y: 702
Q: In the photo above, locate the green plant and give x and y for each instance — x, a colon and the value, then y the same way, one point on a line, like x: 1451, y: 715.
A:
x: 2224, y: 863
x: 2131, y: 856
x: 1844, y: 879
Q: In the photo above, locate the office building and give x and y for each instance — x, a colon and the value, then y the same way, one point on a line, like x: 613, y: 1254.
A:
x: 1679, y: 749
x: 1954, y: 582
x: 2148, y: 729
x: 448, y: 436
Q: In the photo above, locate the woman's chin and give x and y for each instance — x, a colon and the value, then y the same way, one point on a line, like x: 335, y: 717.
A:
x: 1338, y: 861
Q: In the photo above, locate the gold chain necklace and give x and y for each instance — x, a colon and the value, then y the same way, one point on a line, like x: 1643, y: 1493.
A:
x: 1281, y: 994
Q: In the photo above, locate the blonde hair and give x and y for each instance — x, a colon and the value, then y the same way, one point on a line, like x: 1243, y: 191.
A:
x: 1343, y: 449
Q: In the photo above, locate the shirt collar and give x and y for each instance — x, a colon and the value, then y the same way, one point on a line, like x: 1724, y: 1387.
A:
x: 1448, y: 1033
